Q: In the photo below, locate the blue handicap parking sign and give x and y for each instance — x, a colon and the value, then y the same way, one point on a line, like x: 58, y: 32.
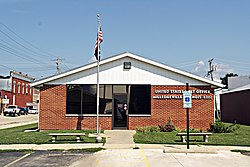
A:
x: 187, y: 99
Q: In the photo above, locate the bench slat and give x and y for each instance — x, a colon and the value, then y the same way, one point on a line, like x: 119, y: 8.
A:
x: 78, y: 138
x: 66, y: 134
x: 193, y: 134
x: 205, y: 136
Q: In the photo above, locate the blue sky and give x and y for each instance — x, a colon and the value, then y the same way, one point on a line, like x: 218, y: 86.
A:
x: 183, y: 34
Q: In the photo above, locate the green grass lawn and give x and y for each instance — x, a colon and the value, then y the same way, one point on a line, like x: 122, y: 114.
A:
x: 240, y: 137
x: 18, y: 136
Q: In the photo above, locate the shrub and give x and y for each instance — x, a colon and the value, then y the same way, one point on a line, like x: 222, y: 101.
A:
x: 166, y: 128
x: 220, y: 127
x: 148, y: 129
x: 192, y: 130
x: 169, y: 127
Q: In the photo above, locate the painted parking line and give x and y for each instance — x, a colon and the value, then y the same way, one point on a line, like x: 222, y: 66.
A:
x: 144, y: 157
x: 19, y: 159
x: 121, y: 158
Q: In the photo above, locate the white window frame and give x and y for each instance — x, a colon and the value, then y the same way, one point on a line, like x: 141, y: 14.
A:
x: 18, y: 87
x: 23, y: 88
x: 14, y: 87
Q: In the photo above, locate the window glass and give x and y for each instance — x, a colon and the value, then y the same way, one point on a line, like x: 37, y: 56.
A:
x: 73, y: 99
x: 81, y: 99
x: 14, y: 87
x: 27, y: 87
x: 106, y: 100
x: 18, y: 87
x: 120, y: 89
x: 140, y: 99
x: 89, y: 99
x: 23, y: 88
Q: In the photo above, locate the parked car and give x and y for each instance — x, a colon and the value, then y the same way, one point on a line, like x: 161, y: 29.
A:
x: 12, y: 110
x: 33, y: 111
x: 24, y: 110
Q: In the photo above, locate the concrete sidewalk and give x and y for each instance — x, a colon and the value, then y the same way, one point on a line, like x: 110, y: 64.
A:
x: 119, y: 139
x: 50, y: 146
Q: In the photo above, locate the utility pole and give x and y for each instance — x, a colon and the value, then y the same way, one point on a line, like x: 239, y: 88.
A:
x: 58, y: 64
x: 210, y: 72
x: 212, y: 68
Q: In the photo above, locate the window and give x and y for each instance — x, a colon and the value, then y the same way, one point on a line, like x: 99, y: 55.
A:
x: 81, y: 99
x: 27, y: 88
x: 73, y: 99
x: 88, y: 99
x: 23, y: 88
x: 140, y: 99
x: 105, y: 95
x: 14, y: 87
x: 18, y: 87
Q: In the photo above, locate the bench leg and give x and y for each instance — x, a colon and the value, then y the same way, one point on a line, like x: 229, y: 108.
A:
x: 183, y: 139
x: 53, y: 139
x: 78, y: 139
x: 205, y: 138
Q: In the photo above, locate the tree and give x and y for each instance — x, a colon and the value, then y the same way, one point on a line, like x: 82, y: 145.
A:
x: 224, y: 80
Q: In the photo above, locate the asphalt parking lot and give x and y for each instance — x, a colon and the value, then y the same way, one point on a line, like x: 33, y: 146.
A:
x: 41, y: 158
x: 124, y: 158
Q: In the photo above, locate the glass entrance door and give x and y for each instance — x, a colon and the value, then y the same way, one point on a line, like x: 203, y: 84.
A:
x: 120, y: 111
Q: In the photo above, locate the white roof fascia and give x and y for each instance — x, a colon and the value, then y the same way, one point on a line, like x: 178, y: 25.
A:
x: 126, y: 54
x: 246, y: 87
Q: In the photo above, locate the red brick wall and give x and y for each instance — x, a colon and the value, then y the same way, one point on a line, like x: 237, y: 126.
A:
x: 201, y: 114
x: 53, y: 112
x: 21, y: 98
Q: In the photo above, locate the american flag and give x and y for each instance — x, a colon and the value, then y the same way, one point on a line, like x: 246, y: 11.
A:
x: 100, y: 38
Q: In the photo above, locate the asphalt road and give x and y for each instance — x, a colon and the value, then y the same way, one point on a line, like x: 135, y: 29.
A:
x: 9, y: 121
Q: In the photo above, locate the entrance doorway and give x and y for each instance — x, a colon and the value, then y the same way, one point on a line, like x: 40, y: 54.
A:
x: 120, y: 111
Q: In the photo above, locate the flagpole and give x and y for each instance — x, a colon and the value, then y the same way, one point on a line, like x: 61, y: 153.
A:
x: 97, y: 92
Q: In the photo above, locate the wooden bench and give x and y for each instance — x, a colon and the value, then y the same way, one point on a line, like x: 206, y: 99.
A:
x: 78, y: 136
x: 183, y: 136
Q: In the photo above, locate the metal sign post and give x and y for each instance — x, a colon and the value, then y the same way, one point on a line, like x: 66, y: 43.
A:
x: 187, y: 103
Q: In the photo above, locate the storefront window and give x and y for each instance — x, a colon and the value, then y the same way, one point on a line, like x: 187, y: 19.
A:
x: 89, y: 99
x: 140, y: 99
x: 106, y: 99
x: 81, y: 99
x: 73, y: 99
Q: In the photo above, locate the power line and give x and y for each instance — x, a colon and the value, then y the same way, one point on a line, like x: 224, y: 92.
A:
x: 11, y: 51
x: 6, y: 67
x: 35, y: 47
x: 13, y: 47
x: 232, y: 61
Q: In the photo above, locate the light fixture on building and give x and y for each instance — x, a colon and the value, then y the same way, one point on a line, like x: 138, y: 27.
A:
x: 127, y: 65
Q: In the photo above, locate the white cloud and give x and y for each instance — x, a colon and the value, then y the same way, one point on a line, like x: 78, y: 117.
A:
x: 220, y: 70
x: 200, y: 68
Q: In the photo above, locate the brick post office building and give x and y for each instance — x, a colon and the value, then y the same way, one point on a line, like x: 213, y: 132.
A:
x: 134, y: 92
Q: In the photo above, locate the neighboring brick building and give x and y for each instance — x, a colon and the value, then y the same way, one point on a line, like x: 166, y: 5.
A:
x: 134, y: 92
x: 16, y: 88
x: 235, y: 105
